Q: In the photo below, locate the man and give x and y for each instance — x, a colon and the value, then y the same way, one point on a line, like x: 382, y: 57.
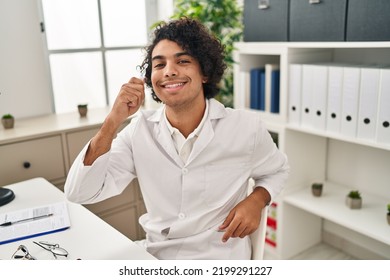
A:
x: 192, y: 157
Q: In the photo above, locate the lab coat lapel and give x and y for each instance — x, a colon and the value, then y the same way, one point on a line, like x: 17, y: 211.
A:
x: 216, y: 111
x: 206, y: 135
x: 163, y: 137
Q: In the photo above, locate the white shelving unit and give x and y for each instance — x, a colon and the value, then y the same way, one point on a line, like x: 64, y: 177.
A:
x: 331, y: 206
x: 342, y: 163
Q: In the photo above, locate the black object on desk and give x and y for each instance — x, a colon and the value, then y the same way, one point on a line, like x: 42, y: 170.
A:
x: 6, y: 196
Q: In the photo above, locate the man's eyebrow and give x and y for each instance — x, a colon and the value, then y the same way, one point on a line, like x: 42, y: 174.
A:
x: 176, y: 55
x: 181, y: 54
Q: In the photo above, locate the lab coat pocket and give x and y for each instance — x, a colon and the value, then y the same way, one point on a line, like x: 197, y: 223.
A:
x: 225, y: 182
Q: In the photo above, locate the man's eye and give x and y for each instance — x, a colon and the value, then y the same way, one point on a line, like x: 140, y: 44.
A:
x: 184, y: 61
x: 159, y: 65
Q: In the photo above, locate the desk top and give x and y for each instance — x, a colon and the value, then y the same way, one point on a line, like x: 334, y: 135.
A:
x: 89, y: 237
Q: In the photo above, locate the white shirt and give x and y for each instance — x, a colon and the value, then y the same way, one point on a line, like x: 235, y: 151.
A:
x: 184, y: 145
x: 185, y: 201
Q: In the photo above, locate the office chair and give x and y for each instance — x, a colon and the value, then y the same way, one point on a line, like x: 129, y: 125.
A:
x: 258, y: 237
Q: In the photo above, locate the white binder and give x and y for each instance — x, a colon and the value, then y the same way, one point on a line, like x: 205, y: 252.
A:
x: 383, y: 123
x: 306, y: 87
x: 242, y: 100
x: 314, y: 94
x: 319, y: 96
x: 368, y: 103
x: 350, y: 101
x: 294, y: 94
x: 335, y: 92
x: 269, y: 68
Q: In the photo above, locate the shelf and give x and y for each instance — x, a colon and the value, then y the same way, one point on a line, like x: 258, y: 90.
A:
x: 340, y: 137
x: 370, y: 220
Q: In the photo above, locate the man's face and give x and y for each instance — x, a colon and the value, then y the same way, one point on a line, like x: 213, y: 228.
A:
x: 176, y: 76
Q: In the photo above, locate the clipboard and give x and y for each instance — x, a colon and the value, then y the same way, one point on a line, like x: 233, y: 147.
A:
x: 57, y: 220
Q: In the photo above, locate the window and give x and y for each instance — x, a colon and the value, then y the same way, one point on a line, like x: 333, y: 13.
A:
x: 94, y: 46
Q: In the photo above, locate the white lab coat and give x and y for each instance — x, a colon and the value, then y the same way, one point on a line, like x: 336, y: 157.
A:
x: 185, y: 202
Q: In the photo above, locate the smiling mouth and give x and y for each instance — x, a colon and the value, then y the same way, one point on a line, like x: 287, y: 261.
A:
x: 172, y: 86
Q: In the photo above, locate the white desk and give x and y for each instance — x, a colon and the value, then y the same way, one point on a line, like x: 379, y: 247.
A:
x: 89, y: 237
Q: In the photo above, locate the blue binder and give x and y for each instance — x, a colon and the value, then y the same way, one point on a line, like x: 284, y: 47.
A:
x: 257, y: 89
x: 275, y: 91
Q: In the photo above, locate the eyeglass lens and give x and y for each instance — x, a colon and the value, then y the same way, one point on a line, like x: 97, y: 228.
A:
x: 25, y: 254
x: 59, y: 251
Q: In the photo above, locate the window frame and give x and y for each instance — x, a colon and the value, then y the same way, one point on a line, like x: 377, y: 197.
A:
x: 151, y: 9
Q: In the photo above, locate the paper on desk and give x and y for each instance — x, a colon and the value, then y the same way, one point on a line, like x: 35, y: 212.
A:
x: 57, y: 222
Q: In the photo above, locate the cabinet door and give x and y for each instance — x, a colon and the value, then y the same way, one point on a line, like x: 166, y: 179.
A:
x: 77, y: 140
x: 25, y: 160
x: 122, y: 211
x: 124, y: 220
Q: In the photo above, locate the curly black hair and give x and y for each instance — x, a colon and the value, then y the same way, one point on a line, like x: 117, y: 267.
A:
x: 194, y: 38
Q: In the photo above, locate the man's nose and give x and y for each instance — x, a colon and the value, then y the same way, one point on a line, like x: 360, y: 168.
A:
x: 171, y: 70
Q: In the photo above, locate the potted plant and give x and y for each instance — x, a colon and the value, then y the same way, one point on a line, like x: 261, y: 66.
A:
x: 388, y: 213
x: 8, y: 121
x: 316, y: 189
x: 354, y: 200
x: 83, y: 109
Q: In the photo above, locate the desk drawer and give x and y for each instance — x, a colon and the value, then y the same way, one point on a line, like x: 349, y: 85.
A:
x: 33, y: 158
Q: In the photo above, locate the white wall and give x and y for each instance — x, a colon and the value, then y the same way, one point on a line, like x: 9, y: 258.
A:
x: 25, y: 83
x: 165, y: 9
x: 24, y: 75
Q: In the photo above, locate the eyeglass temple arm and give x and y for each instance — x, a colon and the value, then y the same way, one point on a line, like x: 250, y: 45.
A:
x: 40, y: 245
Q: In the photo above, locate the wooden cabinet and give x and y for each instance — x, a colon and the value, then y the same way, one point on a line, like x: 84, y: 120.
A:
x: 46, y: 147
x: 341, y: 162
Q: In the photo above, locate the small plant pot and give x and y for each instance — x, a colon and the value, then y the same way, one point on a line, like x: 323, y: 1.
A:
x: 316, y: 189
x: 83, y: 110
x: 8, y: 123
x: 354, y: 203
x: 388, y: 218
